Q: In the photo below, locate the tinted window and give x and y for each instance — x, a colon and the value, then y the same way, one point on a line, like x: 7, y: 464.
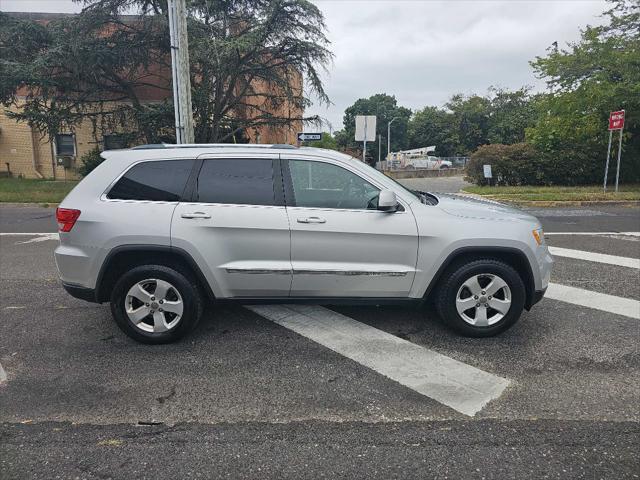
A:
x: 318, y: 184
x: 236, y: 181
x: 65, y: 144
x: 162, y: 181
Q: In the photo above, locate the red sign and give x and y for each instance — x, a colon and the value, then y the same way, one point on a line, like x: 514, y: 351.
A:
x: 616, y: 120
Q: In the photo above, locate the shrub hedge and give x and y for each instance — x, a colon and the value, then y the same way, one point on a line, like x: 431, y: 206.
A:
x: 523, y: 164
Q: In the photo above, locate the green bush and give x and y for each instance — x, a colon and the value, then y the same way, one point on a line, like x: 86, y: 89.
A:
x: 526, y: 164
x: 89, y: 161
x: 517, y: 164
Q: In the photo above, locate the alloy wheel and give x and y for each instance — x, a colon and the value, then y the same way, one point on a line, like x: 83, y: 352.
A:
x: 154, y: 305
x: 483, y: 300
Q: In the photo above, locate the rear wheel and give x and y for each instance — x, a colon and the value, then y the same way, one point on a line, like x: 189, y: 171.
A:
x: 481, y: 298
x: 156, y: 304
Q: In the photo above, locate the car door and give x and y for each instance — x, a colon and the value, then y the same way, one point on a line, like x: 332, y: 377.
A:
x: 341, y: 245
x: 236, y: 226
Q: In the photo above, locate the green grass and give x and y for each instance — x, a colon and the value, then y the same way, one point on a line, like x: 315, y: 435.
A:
x: 20, y: 190
x: 558, y: 194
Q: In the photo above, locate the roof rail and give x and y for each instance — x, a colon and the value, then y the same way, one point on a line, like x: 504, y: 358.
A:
x: 153, y: 146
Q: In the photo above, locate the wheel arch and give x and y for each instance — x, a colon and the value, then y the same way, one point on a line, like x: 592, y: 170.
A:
x: 511, y: 256
x: 125, y: 257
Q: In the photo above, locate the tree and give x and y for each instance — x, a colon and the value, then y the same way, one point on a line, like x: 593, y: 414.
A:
x: 510, y: 114
x: 385, y: 108
x: 470, y: 121
x: 248, y: 62
x: 433, y: 126
x: 69, y: 70
x: 587, y: 80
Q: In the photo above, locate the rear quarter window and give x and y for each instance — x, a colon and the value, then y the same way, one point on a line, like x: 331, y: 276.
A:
x: 160, y: 181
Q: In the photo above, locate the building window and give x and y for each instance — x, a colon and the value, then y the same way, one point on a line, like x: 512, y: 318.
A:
x: 115, y: 141
x: 65, y: 145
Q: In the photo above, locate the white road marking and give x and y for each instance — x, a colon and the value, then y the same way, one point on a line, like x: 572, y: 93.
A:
x: 3, y: 374
x: 460, y: 386
x: 40, y: 238
x: 596, y: 300
x: 596, y: 257
x: 630, y: 234
x: 27, y: 234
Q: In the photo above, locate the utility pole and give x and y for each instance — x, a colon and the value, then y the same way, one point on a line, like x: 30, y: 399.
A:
x: 180, y: 71
x: 379, y: 142
x: 389, y: 136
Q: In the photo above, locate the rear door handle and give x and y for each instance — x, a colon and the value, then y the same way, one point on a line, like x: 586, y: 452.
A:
x: 195, y: 215
x: 312, y: 220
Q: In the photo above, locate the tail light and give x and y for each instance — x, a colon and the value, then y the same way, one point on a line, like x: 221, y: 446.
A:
x: 66, y: 218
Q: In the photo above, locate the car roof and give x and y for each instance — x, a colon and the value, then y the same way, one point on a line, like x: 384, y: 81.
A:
x: 170, y: 151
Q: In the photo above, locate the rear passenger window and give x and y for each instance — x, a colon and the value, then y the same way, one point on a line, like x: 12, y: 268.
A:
x: 236, y: 181
x: 162, y: 181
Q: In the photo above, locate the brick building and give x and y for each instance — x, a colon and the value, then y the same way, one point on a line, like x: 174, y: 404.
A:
x: 25, y: 151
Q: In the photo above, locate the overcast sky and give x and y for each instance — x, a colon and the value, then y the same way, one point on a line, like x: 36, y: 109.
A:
x: 424, y: 51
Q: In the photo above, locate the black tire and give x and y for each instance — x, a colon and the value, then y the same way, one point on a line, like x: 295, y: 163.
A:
x: 444, y: 167
x: 186, y: 287
x: 457, y: 275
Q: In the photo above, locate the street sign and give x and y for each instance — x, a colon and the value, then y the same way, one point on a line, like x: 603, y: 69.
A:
x: 309, y: 137
x: 365, y: 132
x: 365, y: 128
x: 487, y: 171
x: 616, y: 120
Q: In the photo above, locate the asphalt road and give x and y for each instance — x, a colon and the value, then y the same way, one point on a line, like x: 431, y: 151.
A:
x: 243, y: 397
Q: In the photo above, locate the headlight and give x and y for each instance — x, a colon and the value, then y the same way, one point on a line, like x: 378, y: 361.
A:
x: 538, y: 234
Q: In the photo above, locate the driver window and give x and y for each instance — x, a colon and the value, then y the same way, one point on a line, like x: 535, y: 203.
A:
x: 323, y: 185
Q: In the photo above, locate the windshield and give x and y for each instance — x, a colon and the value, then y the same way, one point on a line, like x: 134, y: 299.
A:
x: 382, y: 177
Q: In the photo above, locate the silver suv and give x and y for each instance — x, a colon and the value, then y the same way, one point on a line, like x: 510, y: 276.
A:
x: 157, y: 230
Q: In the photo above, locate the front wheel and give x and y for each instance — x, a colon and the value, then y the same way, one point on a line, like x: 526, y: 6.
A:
x: 481, y: 298
x: 156, y: 304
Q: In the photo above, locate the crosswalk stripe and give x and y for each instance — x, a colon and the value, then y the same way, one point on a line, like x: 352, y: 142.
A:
x: 460, y: 386
x: 596, y: 257
x: 596, y: 300
x: 28, y: 234
x: 628, y: 234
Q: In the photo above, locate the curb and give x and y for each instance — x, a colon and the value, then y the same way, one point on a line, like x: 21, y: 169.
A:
x: 569, y: 203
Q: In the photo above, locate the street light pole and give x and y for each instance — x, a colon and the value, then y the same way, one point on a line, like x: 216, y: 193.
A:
x: 389, y: 136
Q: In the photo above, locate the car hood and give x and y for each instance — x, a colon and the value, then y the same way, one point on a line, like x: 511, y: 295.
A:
x: 472, y: 207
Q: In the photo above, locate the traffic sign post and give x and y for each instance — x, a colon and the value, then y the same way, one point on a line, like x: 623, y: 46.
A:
x: 486, y: 170
x: 365, y: 132
x: 616, y: 122
x: 309, y: 137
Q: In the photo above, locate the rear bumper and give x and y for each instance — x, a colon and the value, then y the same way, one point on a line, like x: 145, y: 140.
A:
x: 83, y: 293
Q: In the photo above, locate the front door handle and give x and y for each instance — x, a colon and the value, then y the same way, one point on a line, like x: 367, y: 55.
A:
x: 312, y: 220
x: 195, y: 215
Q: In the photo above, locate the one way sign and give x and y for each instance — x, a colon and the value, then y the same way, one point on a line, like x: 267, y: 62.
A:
x: 309, y: 137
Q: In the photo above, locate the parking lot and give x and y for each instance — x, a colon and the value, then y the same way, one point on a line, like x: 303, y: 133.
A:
x: 254, y: 394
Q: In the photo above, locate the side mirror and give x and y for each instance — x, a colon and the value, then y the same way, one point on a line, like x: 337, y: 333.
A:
x: 387, y: 201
